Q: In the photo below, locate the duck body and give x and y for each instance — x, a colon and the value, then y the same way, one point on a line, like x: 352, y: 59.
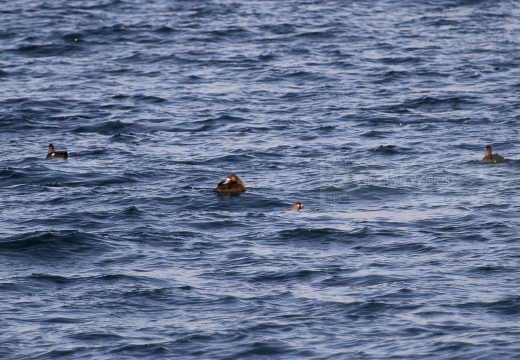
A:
x: 51, y: 153
x: 490, y: 157
x: 232, y: 184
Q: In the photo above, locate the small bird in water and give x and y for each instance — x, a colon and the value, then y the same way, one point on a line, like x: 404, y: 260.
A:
x: 490, y: 157
x: 51, y: 153
x: 297, y: 206
x: 232, y: 184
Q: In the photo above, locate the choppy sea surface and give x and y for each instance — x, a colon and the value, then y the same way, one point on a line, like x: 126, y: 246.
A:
x: 373, y: 114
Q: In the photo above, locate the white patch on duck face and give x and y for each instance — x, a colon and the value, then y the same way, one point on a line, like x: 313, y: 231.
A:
x: 297, y: 206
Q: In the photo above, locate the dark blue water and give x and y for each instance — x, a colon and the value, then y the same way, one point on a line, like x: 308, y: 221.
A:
x: 373, y: 114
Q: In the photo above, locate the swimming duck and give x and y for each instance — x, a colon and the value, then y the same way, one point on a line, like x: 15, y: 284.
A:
x: 232, y: 184
x: 297, y: 206
x: 490, y: 157
x: 51, y: 153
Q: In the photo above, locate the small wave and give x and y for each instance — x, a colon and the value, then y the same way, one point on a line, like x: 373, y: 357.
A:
x: 46, y: 50
x: 386, y: 149
x: 106, y: 128
x: 55, y: 279
x: 52, y: 244
x: 267, y: 349
x: 324, y: 235
x: 507, y: 306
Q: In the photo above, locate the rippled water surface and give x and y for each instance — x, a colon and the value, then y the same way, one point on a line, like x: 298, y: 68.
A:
x: 373, y: 114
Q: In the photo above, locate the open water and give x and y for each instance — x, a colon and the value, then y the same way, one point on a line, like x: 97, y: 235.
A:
x: 373, y: 114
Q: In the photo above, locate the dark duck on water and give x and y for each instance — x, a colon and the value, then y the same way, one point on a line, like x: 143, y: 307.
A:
x: 490, y: 157
x: 231, y: 185
x: 51, y: 153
